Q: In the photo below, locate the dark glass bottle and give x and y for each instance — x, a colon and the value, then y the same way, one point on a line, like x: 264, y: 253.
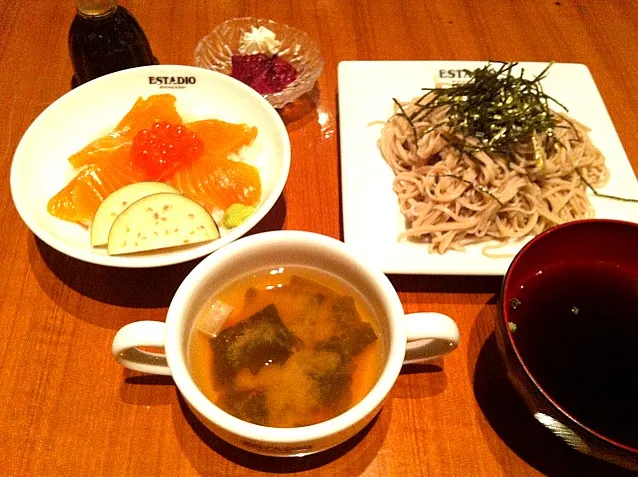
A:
x: 104, y: 38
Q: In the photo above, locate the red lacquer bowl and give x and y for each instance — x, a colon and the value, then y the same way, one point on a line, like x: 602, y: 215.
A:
x: 568, y: 260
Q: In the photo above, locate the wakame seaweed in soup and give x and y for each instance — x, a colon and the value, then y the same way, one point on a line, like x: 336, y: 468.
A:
x: 300, y: 347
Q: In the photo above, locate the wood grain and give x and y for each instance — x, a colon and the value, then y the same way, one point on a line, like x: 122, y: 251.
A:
x: 66, y: 407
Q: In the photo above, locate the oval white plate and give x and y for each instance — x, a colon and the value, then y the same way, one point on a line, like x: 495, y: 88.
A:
x: 40, y: 165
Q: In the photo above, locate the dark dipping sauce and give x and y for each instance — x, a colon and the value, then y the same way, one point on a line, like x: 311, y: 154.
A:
x: 577, y: 333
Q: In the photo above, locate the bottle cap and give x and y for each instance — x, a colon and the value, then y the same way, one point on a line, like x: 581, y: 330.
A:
x: 91, y: 8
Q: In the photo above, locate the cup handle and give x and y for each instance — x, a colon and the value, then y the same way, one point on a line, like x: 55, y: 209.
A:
x: 429, y: 335
x: 141, y: 333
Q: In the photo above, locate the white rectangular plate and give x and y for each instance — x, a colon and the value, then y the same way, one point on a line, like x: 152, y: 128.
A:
x: 371, y: 217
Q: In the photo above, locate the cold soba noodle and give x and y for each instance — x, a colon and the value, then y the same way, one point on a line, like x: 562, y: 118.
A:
x: 487, y: 160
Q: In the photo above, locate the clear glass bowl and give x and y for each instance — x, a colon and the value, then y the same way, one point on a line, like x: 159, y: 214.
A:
x: 215, y: 52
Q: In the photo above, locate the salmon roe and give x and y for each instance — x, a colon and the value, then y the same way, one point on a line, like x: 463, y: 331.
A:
x: 163, y: 148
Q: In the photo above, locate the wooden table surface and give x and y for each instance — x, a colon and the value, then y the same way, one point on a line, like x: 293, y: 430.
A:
x: 67, y: 408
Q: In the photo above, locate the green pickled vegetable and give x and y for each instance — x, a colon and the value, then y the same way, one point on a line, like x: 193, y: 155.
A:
x: 236, y: 214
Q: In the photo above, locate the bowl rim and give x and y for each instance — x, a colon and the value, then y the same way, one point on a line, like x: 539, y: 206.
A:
x: 504, y: 321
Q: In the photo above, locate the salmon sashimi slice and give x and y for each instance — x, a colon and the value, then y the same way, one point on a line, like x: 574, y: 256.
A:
x: 144, y: 114
x: 213, y: 180
x: 218, y: 183
x: 106, y: 164
x: 80, y: 198
x: 222, y: 138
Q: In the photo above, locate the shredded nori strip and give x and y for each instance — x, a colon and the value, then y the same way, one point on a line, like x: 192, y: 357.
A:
x: 495, y: 107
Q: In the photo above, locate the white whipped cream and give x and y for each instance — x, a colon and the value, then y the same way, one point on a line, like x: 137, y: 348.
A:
x: 259, y: 40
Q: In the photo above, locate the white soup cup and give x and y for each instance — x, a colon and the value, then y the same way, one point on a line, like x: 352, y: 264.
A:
x: 407, y: 338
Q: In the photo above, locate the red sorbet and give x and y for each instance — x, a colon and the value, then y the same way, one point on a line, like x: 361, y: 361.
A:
x: 265, y: 74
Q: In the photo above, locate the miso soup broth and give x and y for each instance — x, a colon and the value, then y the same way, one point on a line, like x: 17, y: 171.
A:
x: 299, y: 346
